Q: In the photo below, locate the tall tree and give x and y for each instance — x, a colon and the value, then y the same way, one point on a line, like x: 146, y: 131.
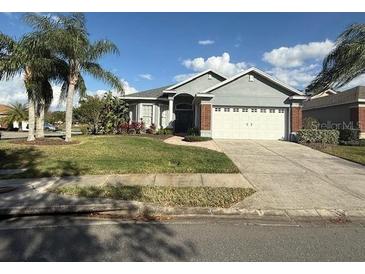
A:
x: 344, y: 63
x: 18, y: 58
x: 70, y: 38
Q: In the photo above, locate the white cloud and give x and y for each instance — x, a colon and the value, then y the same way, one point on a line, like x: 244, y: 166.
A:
x: 206, y: 42
x: 296, y: 77
x: 146, y: 76
x: 13, y: 91
x: 128, y: 89
x: 221, y: 64
x: 183, y: 77
x: 358, y: 81
x: 290, y: 57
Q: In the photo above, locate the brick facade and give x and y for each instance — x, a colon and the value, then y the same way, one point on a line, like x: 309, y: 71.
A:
x: 296, y: 118
x: 205, y: 117
x: 358, y: 117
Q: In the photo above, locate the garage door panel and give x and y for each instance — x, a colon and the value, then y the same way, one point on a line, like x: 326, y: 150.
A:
x: 264, y: 123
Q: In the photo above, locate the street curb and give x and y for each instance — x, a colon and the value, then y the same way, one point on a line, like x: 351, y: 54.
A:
x: 133, y: 209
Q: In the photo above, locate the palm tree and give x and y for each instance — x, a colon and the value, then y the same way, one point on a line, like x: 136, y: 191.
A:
x: 70, y: 39
x: 16, y: 59
x: 344, y: 63
x: 27, y: 57
x: 17, y: 112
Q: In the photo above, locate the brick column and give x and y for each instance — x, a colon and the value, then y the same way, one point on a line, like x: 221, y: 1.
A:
x: 296, y: 118
x: 205, y: 116
x: 357, y: 116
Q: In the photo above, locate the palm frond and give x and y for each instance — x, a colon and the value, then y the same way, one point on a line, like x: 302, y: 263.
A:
x: 344, y: 63
x: 101, y: 48
x: 99, y: 73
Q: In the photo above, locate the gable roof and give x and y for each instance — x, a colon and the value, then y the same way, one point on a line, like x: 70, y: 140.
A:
x: 324, y: 93
x: 194, y: 77
x: 259, y: 72
x: 150, y: 93
x: 4, y: 109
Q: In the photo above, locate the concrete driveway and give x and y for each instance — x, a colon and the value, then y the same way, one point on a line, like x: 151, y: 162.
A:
x: 291, y: 176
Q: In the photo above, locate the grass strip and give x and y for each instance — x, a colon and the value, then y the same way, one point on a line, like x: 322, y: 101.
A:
x: 165, y: 196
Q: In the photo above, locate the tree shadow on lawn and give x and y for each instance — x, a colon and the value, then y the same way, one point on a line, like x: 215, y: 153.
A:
x: 75, y: 239
x: 64, y: 238
x: 28, y: 158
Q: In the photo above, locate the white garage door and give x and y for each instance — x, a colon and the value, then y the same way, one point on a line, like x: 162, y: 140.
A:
x: 248, y: 123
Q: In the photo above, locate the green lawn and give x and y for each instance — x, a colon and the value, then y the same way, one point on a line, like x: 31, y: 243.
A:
x: 352, y: 153
x: 165, y: 196
x: 111, y: 155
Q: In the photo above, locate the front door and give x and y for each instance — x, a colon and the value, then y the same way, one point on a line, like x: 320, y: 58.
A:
x: 183, y: 121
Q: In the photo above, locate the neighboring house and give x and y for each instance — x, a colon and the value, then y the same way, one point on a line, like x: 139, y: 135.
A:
x: 339, y: 110
x: 3, y: 111
x: 249, y: 105
x: 16, y: 125
x: 324, y: 93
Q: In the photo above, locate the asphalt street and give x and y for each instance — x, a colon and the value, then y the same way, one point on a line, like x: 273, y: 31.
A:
x: 72, y: 238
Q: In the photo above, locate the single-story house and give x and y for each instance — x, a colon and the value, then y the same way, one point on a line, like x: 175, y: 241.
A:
x: 3, y: 110
x: 249, y: 105
x: 336, y: 110
x: 16, y: 125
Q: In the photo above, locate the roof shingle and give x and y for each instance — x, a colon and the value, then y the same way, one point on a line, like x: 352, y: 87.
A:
x: 150, y: 93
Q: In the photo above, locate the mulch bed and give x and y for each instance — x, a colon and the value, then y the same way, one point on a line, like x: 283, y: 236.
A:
x: 44, y: 142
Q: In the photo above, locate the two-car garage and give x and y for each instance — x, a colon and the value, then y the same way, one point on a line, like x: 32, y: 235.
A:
x: 249, y: 122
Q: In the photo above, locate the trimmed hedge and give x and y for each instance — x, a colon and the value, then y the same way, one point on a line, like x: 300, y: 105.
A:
x: 324, y: 136
x: 165, y: 131
x: 190, y: 138
x: 349, y: 135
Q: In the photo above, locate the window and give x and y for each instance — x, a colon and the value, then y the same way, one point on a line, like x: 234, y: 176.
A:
x: 263, y: 110
x: 254, y: 110
x: 235, y: 109
x: 251, y: 78
x: 226, y: 109
x: 272, y: 110
x: 217, y: 109
x: 281, y: 110
x: 245, y: 110
x: 147, y: 114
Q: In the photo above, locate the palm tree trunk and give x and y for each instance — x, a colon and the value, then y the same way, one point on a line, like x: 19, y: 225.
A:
x: 40, y: 122
x: 69, y: 109
x: 31, y: 118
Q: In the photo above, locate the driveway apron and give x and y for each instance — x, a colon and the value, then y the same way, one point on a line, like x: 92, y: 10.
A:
x: 291, y: 176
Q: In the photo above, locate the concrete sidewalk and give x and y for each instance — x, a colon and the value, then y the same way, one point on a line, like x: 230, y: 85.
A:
x: 32, y: 197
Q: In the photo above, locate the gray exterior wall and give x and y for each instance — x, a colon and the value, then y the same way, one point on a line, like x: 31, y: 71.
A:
x: 200, y: 84
x: 260, y: 92
x: 136, y: 109
x: 331, y: 114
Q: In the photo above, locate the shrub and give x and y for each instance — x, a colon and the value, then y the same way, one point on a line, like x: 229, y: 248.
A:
x: 324, y: 136
x: 84, y: 129
x: 193, y: 131
x: 165, y: 131
x: 132, y: 131
x: 349, y: 135
x: 123, y: 128
x: 152, y: 129
x: 193, y: 138
x: 137, y: 127
x: 310, y: 123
